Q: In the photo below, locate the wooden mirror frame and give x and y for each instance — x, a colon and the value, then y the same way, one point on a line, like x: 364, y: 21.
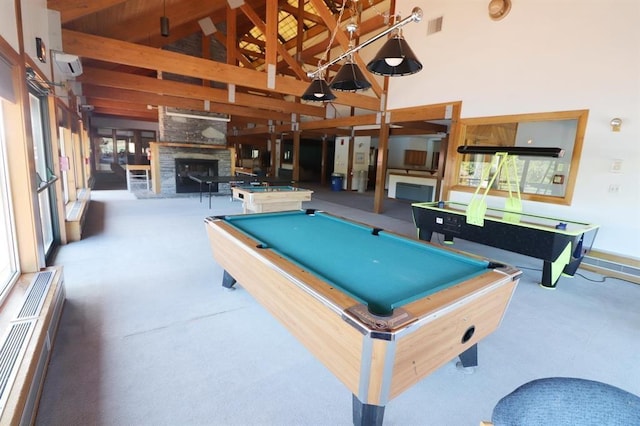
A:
x: 460, y: 136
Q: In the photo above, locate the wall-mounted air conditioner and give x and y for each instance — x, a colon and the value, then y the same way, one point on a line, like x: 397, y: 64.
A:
x: 69, y: 65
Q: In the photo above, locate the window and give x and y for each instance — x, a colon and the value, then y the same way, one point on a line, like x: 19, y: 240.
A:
x: 8, y: 251
x: 545, y: 179
x: 44, y: 173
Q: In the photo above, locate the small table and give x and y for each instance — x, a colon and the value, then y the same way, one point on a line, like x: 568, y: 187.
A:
x: 380, y: 311
x: 560, y: 243
x: 262, y: 199
x: 145, y: 176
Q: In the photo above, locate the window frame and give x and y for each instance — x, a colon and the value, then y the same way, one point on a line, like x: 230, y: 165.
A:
x: 9, y: 226
x: 568, y: 179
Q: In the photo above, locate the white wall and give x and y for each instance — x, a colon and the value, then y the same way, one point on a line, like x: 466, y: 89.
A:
x: 398, y: 145
x: 8, y: 27
x: 546, y: 55
x: 35, y: 23
x: 360, y: 158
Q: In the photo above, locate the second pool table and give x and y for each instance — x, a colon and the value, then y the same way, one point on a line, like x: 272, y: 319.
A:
x: 379, y: 310
x: 264, y: 199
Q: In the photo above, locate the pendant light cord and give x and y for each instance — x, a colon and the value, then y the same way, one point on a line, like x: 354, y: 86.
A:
x: 333, y: 34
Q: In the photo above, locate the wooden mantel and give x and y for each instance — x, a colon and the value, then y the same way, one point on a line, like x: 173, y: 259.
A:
x: 154, y: 148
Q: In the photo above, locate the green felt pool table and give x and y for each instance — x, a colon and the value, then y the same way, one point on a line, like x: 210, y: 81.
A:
x: 380, y: 311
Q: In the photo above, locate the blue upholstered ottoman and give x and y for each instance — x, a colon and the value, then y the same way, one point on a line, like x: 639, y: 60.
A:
x: 560, y: 401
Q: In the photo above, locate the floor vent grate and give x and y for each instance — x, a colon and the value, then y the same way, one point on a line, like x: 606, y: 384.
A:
x: 36, y: 293
x: 10, y: 355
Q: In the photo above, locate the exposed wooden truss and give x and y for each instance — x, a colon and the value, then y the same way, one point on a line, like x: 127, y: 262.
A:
x: 123, y: 37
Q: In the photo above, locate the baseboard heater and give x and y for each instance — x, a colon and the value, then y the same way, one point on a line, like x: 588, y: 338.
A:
x: 414, y: 192
x: 18, y: 355
x: 618, y: 268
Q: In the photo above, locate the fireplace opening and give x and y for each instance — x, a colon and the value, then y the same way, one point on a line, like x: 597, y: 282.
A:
x: 195, y: 167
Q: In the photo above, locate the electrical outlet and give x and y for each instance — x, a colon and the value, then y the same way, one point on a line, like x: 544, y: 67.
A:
x: 616, y: 167
x: 614, y: 188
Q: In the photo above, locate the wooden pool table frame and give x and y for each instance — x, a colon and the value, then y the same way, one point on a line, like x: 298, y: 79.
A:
x: 375, y: 363
x: 270, y: 198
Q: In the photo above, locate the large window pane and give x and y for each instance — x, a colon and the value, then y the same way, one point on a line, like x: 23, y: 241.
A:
x: 44, y: 173
x: 542, y: 178
x: 8, y: 252
x: 64, y: 165
x: 104, y: 154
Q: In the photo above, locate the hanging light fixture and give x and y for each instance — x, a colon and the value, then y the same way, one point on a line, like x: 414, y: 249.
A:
x: 395, y: 58
x: 164, y: 21
x: 350, y: 78
x: 396, y: 54
x: 318, y: 90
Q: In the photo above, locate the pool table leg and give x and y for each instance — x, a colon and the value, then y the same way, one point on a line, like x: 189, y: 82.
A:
x: 551, y: 271
x: 367, y: 414
x: 424, y: 234
x: 469, y: 358
x: 227, y: 280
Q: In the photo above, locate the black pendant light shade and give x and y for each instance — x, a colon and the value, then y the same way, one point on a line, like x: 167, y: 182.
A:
x: 395, y: 58
x: 318, y: 91
x: 349, y: 79
x: 164, y: 26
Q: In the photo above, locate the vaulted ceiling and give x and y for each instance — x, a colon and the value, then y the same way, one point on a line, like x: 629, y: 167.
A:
x: 251, y: 63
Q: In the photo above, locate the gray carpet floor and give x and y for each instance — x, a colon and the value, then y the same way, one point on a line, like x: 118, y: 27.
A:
x: 149, y: 337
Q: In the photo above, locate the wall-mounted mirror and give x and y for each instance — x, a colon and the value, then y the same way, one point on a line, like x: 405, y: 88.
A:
x: 539, y: 178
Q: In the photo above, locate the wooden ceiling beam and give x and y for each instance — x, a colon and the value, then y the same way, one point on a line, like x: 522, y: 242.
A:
x: 93, y: 92
x: 231, y: 41
x: 283, y: 129
x: 166, y: 87
x: 432, y: 129
x: 284, y: 53
x: 110, y: 50
x: 324, y: 126
x: 305, y: 15
x: 74, y: 9
x: 422, y: 113
x: 423, y: 126
x: 118, y: 103
x: 137, y: 115
x: 356, y: 120
x: 271, y: 34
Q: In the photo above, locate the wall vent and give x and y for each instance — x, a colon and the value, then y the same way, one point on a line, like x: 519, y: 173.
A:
x: 36, y: 293
x: 434, y: 25
x: 11, y: 354
x: 16, y: 339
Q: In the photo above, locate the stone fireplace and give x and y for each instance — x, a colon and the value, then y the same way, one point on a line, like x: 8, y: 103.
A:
x: 189, y: 146
x: 190, y: 141
x: 171, y: 163
x: 187, y: 167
